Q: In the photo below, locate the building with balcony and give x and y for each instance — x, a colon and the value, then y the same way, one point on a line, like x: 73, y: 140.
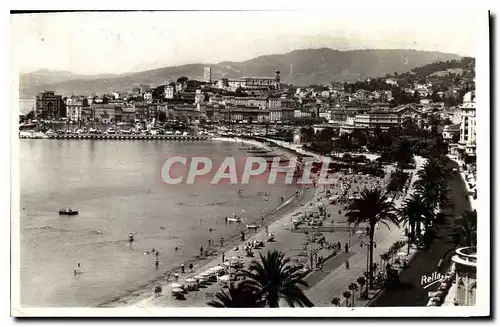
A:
x: 74, y: 110
x: 465, y: 261
x: 274, y: 103
x: 467, y: 142
x: 169, y: 92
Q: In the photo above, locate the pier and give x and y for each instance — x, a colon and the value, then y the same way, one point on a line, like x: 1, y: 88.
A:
x: 116, y: 137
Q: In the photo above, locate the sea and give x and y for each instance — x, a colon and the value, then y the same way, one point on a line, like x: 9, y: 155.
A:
x: 117, y: 187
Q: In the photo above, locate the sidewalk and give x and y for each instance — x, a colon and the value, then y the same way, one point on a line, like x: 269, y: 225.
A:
x: 426, y: 262
x: 337, y: 278
x: 337, y: 281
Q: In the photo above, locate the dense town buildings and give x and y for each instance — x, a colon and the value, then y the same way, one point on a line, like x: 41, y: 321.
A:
x: 262, y: 99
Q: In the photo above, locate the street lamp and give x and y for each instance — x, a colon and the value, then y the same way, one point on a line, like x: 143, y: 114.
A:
x: 369, y: 269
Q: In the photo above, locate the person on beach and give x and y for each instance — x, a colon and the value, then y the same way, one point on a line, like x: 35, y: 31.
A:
x: 78, y: 265
x: 191, y: 266
x: 223, y: 257
x: 347, y: 264
x: 221, y: 241
x: 339, y: 246
x: 346, y: 247
x: 75, y: 272
x: 182, y: 268
x: 156, y: 263
x: 226, y: 220
x: 201, y: 251
x: 176, y: 248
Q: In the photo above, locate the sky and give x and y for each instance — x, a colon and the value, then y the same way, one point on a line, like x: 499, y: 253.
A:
x: 112, y: 42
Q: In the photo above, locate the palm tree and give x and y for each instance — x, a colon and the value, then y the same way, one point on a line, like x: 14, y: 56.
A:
x: 465, y: 231
x: 415, y: 211
x: 432, y: 182
x: 373, y: 207
x: 362, y: 282
x: 241, y: 295
x: 353, y: 287
x: 276, y: 278
x: 336, y: 301
x: 347, y: 295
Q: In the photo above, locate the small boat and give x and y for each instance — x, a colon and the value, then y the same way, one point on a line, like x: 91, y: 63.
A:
x: 68, y: 211
x: 234, y: 220
x: 253, y: 226
x: 110, y: 130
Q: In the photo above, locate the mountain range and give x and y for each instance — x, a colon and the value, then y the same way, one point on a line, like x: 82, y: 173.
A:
x: 299, y: 67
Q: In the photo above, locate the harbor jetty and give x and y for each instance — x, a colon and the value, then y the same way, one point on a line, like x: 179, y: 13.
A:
x: 115, y: 137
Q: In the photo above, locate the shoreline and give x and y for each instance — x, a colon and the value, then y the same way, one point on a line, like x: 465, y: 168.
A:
x: 288, y: 207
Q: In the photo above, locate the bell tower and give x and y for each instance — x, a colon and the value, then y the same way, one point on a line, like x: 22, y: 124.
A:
x: 277, y: 79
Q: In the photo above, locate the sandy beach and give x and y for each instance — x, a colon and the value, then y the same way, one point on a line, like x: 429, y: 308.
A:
x: 293, y: 244
x: 200, y: 264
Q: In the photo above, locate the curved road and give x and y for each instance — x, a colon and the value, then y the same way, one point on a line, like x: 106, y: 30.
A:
x: 425, y: 263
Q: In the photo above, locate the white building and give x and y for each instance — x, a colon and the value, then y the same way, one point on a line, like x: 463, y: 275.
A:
x: 465, y: 261
x: 275, y: 115
x: 207, y: 75
x: 199, y: 97
x: 236, y: 83
x: 74, y: 111
x: 169, y: 92
x: 467, y: 143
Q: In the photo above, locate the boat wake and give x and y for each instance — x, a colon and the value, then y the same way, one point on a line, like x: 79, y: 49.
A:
x: 202, y: 204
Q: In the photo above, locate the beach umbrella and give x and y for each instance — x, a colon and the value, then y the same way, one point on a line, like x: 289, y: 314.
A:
x: 206, y: 274
x: 177, y: 290
x: 199, y: 278
x: 190, y: 280
x: 224, y: 278
x: 402, y: 254
x: 176, y: 285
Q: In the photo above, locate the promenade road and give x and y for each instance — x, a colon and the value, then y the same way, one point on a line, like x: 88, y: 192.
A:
x: 425, y: 263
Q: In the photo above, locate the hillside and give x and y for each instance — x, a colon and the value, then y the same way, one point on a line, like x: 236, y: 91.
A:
x: 44, y: 76
x: 443, y: 75
x: 300, y: 67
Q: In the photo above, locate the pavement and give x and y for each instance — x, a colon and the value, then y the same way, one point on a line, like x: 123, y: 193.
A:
x: 425, y: 263
x: 323, y: 285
